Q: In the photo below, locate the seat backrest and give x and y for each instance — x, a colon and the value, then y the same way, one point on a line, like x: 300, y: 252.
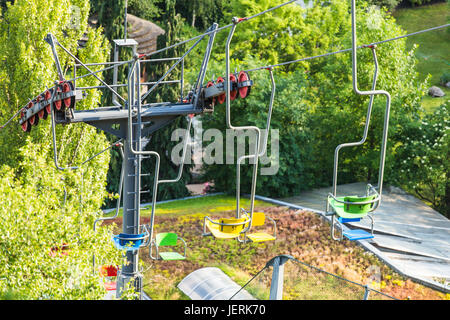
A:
x: 259, y: 218
x: 166, y: 239
x: 232, y: 228
x: 359, y: 208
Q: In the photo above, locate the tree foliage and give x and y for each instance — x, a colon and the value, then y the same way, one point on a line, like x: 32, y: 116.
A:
x: 423, y: 154
x: 287, y: 154
x: 330, y: 112
x: 34, y: 214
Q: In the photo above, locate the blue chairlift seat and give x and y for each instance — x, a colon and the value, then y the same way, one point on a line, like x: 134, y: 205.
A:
x: 128, y: 242
x: 357, y: 234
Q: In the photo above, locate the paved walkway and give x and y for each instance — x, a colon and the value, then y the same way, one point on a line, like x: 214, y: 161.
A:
x: 410, y: 236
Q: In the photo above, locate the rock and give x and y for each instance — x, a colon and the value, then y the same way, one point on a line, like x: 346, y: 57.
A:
x: 395, y: 190
x: 436, y: 92
x: 447, y: 84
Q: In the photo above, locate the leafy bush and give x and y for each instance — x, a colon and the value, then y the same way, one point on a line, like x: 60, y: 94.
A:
x: 418, y: 2
x: 34, y: 214
x: 445, y: 77
x: 389, y: 4
x: 323, y: 110
x: 422, y: 159
x: 288, y: 117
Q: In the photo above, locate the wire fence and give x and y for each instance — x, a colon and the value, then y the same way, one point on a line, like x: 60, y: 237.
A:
x: 302, y: 281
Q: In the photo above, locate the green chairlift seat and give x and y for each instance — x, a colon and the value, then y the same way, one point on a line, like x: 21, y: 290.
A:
x: 346, y: 211
x: 352, y: 211
x: 164, y: 240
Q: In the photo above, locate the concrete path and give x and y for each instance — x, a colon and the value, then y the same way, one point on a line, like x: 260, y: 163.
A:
x: 410, y: 236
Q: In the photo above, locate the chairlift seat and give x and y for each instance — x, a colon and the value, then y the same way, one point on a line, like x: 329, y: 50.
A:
x: 128, y: 242
x: 259, y: 219
x: 357, y: 234
x: 110, y: 286
x: 260, y: 237
x: 168, y: 239
x: 350, y: 211
x: 109, y: 272
x: 171, y: 256
x: 226, y: 228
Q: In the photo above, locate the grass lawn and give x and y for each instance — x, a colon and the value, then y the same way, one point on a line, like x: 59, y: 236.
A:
x: 302, y: 234
x: 433, y: 52
x: 204, y: 205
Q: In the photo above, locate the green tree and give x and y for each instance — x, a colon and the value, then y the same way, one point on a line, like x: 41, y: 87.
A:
x: 338, y: 114
x: 201, y: 13
x: 334, y: 114
x: 288, y: 173
x: 163, y: 13
x: 35, y: 215
x: 160, y: 141
x: 422, y: 158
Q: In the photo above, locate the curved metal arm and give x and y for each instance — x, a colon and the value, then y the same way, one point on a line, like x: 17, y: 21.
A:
x: 274, y: 226
x: 230, y: 126
x: 261, y: 152
x: 122, y: 173
x: 135, y: 70
x: 55, y: 153
x: 372, y: 92
x: 369, y: 111
x: 185, y: 246
x: 136, y: 66
x: 185, y: 142
x: 366, y: 127
x: 153, y: 244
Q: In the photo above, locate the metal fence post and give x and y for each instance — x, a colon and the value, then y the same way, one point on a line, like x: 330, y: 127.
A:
x: 366, y: 293
x: 276, y: 286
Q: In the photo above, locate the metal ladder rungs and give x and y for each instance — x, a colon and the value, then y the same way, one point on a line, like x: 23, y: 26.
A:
x: 141, y: 157
x: 133, y: 192
x: 142, y: 123
x: 142, y: 175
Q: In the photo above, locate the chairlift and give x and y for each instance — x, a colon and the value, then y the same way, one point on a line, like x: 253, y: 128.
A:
x: 259, y: 219
x: 354, y: 208
x: 167, y: 239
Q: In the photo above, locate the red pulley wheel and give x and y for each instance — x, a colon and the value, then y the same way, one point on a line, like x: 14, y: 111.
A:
x: 210, y: 84
x: 26, y: 127
x: 42, y: 113
x: 47, y: 97
x: 233, y: 93
x: 222, y: 97
x: 58, y: 103
x: 243, y: 91
x: 34, y: 119
x: 68, y: 102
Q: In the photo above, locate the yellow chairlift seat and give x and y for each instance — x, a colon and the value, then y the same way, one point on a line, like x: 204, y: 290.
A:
x: 225, y: 228
x: 259, y: 219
